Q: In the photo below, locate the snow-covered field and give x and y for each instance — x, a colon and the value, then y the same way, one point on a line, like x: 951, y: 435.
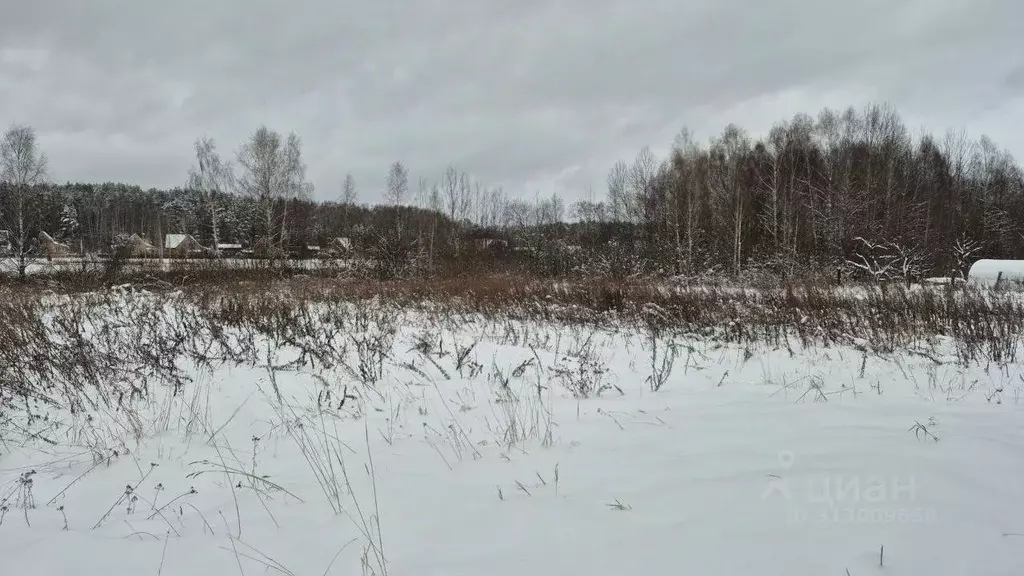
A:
x: 9, y: 266
x: 473, y: 446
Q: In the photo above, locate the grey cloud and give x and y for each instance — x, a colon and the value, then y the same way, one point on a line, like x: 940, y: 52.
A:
x: 1015, y: 79
x: 532, y: 95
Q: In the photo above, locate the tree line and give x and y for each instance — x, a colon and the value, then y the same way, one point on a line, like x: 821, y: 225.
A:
x: 844, y: 189
x: 815, y: 190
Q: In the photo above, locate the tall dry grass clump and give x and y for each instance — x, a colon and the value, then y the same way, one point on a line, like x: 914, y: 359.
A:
x: 117, y: 342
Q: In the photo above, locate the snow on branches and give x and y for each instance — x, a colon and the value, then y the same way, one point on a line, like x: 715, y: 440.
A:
x: 885, y: 261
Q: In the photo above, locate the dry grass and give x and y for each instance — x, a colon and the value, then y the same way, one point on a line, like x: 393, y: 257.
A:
x: 119, y: 341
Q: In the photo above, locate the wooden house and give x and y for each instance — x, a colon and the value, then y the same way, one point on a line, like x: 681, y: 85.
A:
x: 337, y: 246
x: 182, y: 246
x: 50, y: 248
x: 136, y: 246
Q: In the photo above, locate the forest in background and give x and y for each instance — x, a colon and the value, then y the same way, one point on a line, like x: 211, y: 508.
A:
x: 852, y: 189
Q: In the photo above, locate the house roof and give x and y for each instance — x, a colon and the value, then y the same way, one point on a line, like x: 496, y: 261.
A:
x: 172, y: 241
x: 223, y: 246
x: 49, y: 239
x: 139, y: 240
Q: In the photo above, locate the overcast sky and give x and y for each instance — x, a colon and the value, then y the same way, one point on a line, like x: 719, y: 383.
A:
x: 528, y: 94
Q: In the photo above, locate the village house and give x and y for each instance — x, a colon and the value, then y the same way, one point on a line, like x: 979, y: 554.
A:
x: 138, y: 247
x: 341, y: 245
x: 490, y: 243
x: 50, y: 248
x: 482, y: 240
x: 182, y: 246
x: 229, y: 250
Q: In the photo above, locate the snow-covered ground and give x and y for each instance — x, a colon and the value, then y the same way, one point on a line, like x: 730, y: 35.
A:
x: 9, y: 266
x: 463, y: 451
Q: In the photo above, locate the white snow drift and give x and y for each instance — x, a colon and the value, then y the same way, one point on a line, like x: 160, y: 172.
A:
x: 747, y: 461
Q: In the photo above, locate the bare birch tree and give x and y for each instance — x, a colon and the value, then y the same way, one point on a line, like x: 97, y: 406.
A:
x: 640, y: 182
x: 684, y: 160
x: 618, y: 196
x: 212, y: 178
x: 272, y: 173
x: 396, y: 193
x: 436, y: 204
x: 349, y: 194
x: 496, y: 202
x: 293, y: 182
x: 456, y: 193
x: 260, y: 160
x: 397, y: 190
x: 22, y: 166
x: 730, y: 152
